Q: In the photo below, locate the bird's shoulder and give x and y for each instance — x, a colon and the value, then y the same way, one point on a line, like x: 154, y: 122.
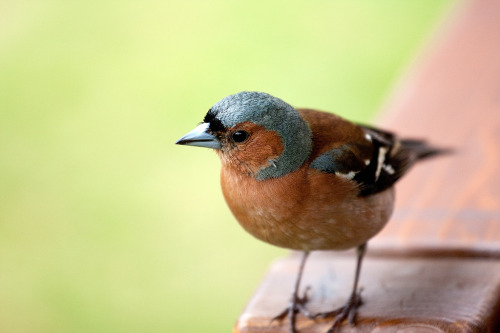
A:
x: 372, y: 159
x: 336, y: 137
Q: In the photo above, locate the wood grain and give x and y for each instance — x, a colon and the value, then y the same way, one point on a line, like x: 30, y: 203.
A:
x: 400, y: 294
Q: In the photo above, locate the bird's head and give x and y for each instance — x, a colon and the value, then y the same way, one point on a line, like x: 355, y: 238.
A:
x: 256, y: 133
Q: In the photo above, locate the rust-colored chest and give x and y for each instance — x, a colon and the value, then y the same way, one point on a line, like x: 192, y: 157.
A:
x: 304, y: 210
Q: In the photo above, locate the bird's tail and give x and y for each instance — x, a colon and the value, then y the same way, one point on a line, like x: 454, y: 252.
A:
x: 421, y: 149
x: 414, y: 149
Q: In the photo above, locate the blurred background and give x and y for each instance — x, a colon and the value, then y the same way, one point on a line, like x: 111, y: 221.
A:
x: 105, y: 224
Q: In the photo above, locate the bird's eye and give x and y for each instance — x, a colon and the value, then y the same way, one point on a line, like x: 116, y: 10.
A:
x: 240, y: 136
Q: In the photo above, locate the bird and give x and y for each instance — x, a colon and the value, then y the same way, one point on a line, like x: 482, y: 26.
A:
x: 306, y: 180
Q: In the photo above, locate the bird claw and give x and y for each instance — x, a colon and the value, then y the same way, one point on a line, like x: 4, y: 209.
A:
x: 297, y: 304
x: 347, y: 311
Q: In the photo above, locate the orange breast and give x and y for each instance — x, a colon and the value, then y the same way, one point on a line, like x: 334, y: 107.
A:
x: 305, y: 210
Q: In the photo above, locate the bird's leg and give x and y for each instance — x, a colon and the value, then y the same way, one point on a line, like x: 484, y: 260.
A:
x: 349, y: 309
x: 297, y: 303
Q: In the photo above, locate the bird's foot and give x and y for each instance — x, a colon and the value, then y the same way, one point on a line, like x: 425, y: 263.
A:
x: 347, y: 311
x: 297, y: 304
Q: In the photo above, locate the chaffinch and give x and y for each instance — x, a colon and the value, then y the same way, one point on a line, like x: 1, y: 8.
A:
x: 304, y: 179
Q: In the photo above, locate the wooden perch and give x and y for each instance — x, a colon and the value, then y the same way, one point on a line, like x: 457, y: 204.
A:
x: 436, y: 266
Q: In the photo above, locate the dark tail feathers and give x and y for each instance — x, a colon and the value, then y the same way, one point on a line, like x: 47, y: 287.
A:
x: 422, y: 149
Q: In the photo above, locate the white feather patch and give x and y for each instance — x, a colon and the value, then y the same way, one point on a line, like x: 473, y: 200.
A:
x: 349, y: 175
x: 380, y: 162
x: 389, y: 169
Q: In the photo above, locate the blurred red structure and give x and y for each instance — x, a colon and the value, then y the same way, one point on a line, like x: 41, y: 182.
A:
x: 436, y: 266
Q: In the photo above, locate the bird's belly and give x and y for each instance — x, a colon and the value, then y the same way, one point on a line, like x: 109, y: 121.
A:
x: 294, y: 218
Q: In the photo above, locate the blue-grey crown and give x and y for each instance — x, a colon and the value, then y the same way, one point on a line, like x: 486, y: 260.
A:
x: 273, y: 114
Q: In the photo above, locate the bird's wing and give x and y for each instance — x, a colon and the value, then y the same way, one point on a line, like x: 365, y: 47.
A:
x: 375, y: 164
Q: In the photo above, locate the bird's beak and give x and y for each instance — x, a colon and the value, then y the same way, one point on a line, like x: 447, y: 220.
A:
x: 200, y: 137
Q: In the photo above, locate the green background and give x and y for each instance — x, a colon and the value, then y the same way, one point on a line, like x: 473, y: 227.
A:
x: 105, y: 224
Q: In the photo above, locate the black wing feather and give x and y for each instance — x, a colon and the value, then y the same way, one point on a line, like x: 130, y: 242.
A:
x: 389, y: 159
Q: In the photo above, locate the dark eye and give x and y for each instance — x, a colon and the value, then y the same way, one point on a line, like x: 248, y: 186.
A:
x: 240, y: 136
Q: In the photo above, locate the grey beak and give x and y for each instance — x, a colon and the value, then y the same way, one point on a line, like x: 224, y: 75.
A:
x: 200, y: 137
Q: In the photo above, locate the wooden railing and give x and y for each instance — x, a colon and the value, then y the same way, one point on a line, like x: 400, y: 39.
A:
x: 436, y: 266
